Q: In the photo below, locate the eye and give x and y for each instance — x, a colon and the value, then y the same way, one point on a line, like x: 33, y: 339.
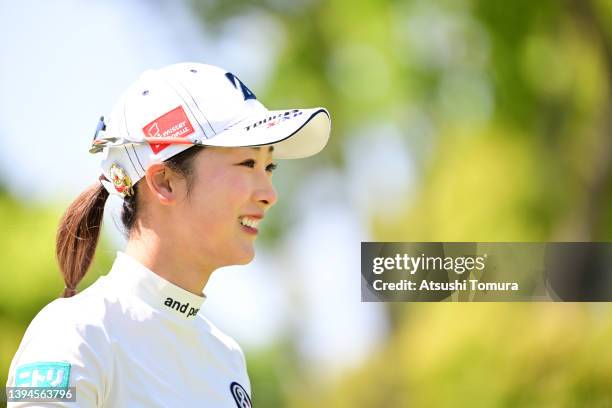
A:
x: 248, y: 163
x: 251, y: 163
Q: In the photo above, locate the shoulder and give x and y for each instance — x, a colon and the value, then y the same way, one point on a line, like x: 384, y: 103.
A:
x: 219, y: 335
x: 66, y: 340
x: 225, y: 345
x: 82, y: 316
x: 222, y: 339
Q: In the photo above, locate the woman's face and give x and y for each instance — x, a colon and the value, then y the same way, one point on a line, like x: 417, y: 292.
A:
x: 230, y: 193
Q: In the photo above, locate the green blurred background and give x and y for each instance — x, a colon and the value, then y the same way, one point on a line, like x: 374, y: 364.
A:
x: 501, y: 113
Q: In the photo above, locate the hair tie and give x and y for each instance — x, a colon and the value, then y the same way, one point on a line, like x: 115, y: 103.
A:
x: 69, y: 292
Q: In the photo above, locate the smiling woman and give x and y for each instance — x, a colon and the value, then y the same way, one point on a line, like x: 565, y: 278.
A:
x: 190, y: 151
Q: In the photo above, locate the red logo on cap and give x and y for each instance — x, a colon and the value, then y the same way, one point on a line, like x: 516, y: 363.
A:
x: 170, y: 125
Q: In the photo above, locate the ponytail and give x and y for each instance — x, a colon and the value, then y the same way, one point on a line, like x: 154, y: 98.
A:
x: 77, y: 236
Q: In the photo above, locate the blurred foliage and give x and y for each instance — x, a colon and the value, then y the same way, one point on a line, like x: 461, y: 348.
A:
x: 485, y: 76
x: 506, y: 112
x: 468, y: 355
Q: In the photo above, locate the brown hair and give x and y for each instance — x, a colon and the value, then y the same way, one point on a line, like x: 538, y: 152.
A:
x: 79, y: 228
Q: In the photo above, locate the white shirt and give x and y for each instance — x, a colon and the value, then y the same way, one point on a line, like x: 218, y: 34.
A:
x: 132, y: 339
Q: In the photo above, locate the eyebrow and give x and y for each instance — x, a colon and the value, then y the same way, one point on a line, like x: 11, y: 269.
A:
x: 270, y: 149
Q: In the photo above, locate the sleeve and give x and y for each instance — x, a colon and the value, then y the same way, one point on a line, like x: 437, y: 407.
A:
x: 58, y: 350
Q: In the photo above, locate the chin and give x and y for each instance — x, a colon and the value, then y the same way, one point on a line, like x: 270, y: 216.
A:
x: 247, y: 258
x: 244, y: 256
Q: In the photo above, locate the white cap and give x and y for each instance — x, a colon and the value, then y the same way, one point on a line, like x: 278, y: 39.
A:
x: 173, y: 108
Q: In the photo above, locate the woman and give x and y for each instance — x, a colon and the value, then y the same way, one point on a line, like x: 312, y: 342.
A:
x: 189, y: 149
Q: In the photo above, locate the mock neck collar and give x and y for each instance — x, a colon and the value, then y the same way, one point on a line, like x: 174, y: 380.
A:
x: 162, y: 295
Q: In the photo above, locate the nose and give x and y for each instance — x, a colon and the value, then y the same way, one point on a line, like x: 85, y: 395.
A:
x: 265, y: 192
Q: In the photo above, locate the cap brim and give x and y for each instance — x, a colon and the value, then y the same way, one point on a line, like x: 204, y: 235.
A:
x: 295, y: 134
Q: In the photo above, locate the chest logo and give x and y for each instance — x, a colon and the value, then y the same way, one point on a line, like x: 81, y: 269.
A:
x: 240, y: 396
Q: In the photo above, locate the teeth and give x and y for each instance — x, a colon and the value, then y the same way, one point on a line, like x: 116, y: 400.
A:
x: 249, y: 222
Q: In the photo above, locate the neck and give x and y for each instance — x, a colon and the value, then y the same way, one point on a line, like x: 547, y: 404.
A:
x: 171, y: 263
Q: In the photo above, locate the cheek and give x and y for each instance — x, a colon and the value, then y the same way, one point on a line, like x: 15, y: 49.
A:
x: 219, y: 201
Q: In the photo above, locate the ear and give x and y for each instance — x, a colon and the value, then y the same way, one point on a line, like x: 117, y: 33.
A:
x: 163, y: 183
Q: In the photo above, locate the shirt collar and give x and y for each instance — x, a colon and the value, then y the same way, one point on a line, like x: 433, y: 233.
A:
x: 154, y: 290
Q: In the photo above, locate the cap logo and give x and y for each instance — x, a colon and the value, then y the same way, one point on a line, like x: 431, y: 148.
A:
x: 171, y: 125
x: 121, y: 181
x: 246, y: 92
x: 153, y: 130
x: 275, y: 120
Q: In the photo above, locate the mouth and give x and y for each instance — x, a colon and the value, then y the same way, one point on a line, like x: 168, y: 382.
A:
x: 249, y: 223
